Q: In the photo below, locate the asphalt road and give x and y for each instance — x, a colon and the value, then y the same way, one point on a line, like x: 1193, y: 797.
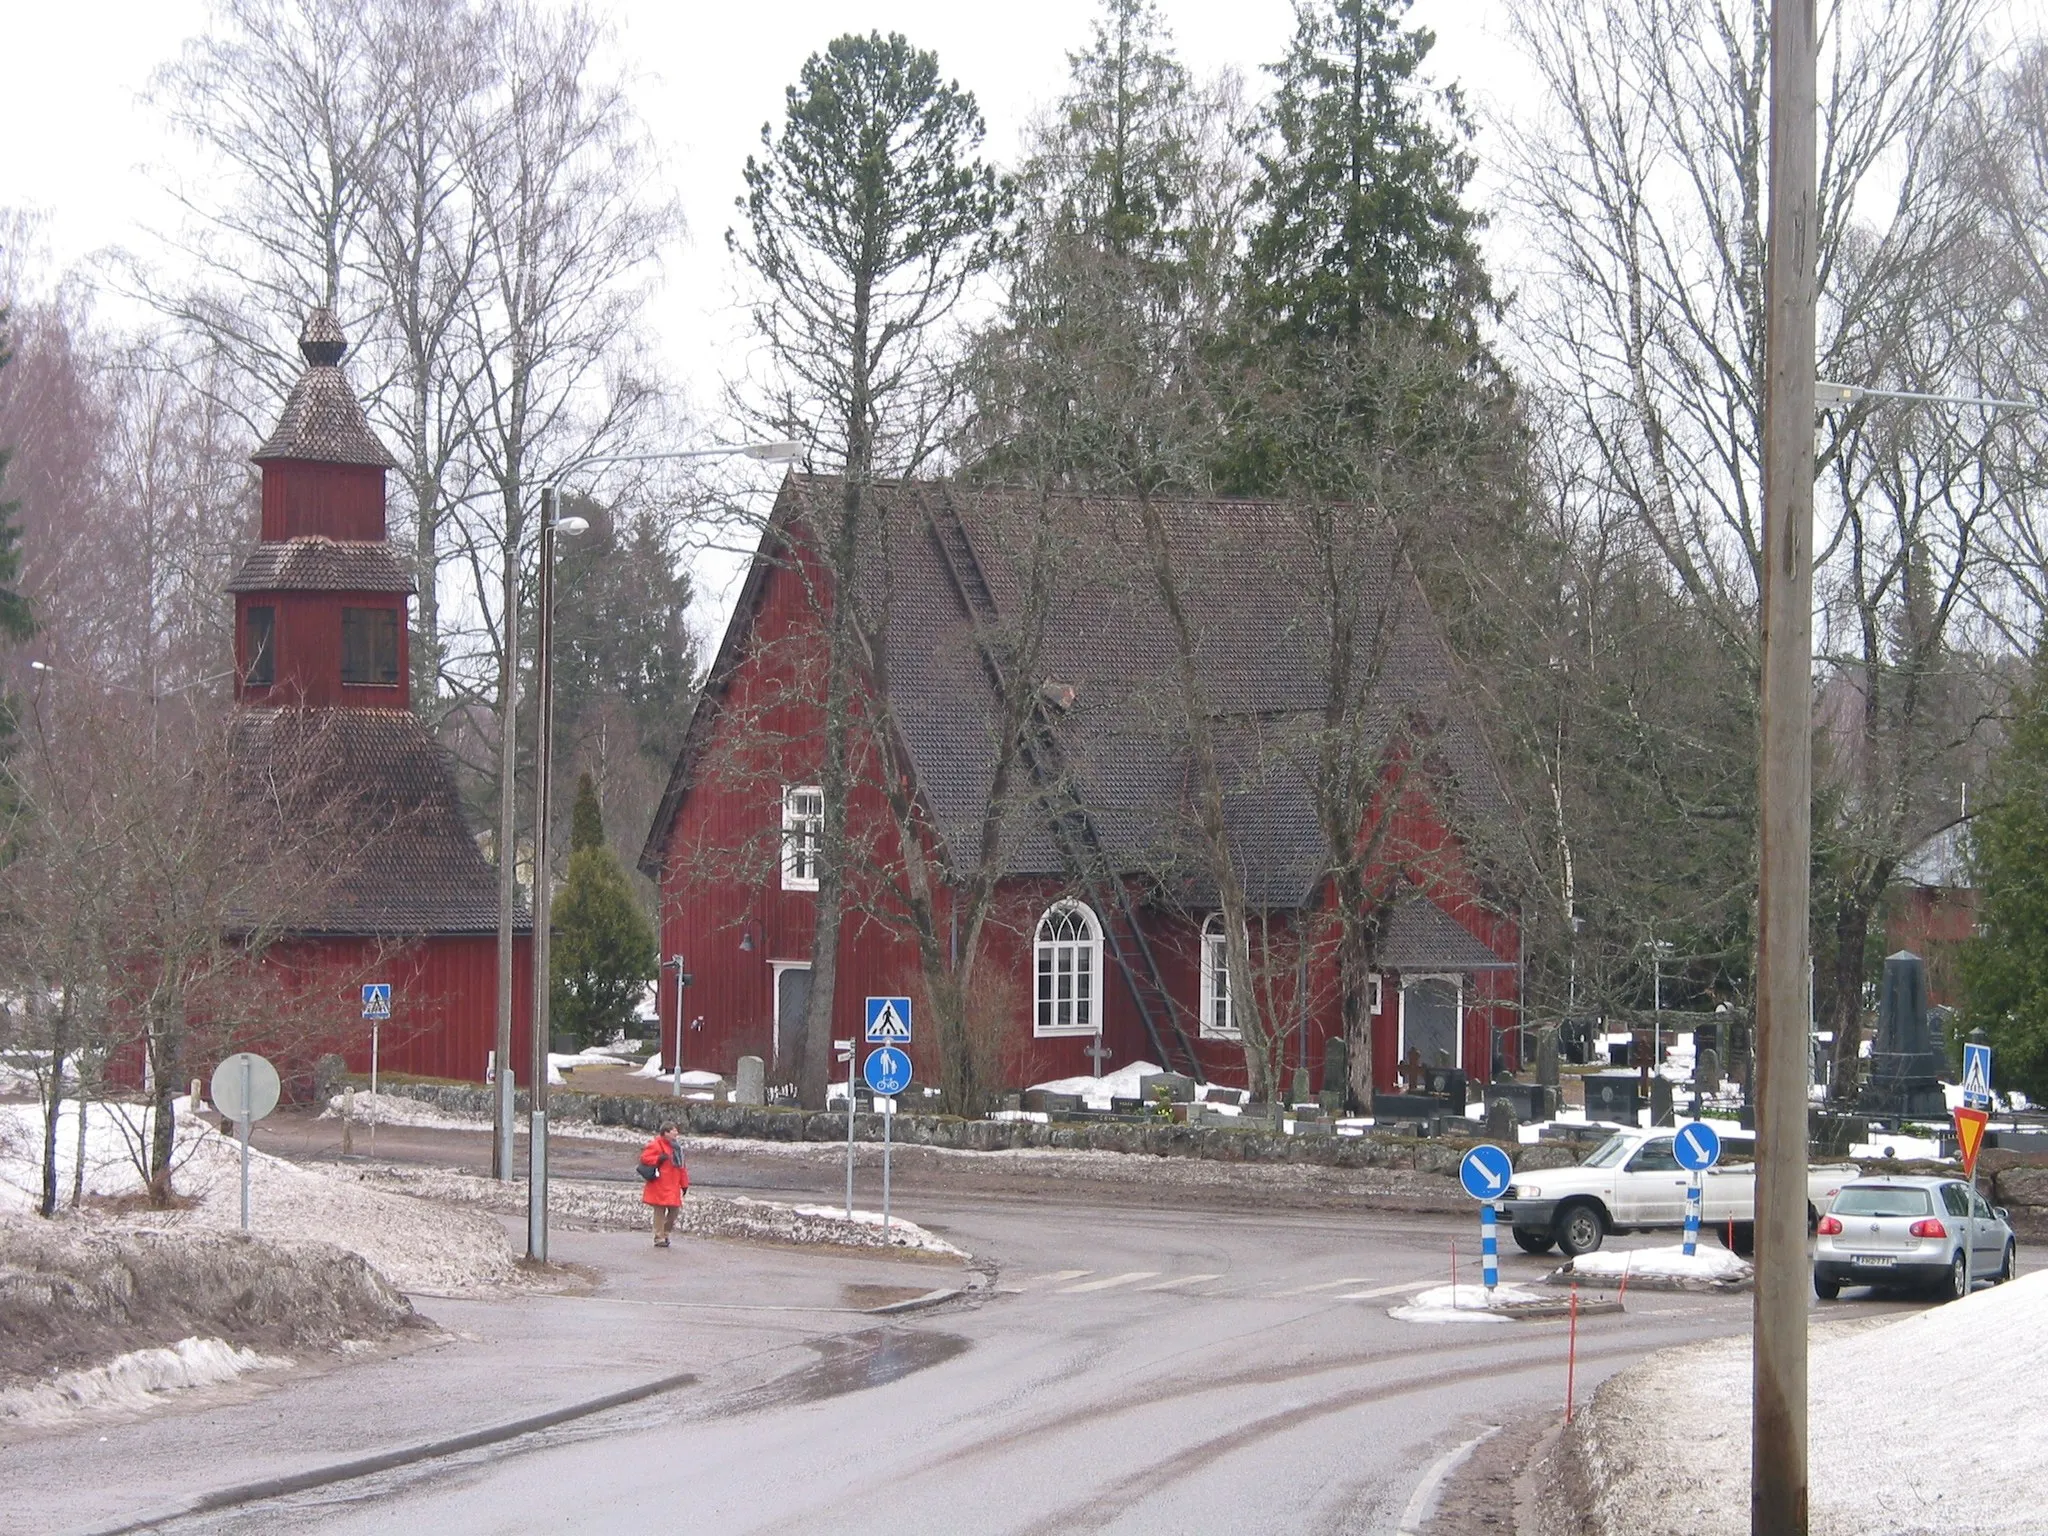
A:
x: 1113, y: 1367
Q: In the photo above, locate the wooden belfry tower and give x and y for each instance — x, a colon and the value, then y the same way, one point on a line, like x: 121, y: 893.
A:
x: 321, y: 607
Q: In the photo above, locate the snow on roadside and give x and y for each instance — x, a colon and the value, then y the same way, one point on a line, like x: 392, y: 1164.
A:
x: 613, y: 1207
x: 414, y: 1244
x: 1464, y: 1304
x: 1666, y: 1443
x: 135, y: 1382
x: 1707, y: 1264
x: 396, y: 1109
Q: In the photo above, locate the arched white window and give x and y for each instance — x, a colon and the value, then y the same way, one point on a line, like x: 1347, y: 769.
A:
x: 1216, y: 1021
x: 1069, y: 991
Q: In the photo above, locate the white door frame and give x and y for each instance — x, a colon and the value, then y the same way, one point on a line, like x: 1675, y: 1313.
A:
x: 1457, y: 980
x: 776, y: 968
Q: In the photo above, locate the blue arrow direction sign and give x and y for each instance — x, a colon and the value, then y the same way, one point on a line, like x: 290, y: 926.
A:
x: 1485, y: 1172
x: 1697, y: 1146
x: 1977, y: 1076
x: 887, y: 1071
x: 376, y: 999
x: 888, y: 1021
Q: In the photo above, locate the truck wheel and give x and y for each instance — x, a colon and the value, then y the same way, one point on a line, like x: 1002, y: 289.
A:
x: 1579, y: 1229
x: 1530, y: 1241
x: 1738, y: 1237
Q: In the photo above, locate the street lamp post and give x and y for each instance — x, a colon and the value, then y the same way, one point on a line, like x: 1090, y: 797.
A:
x: 544, y: 699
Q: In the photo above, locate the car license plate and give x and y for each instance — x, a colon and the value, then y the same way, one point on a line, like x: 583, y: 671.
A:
x: 1874, y: 1261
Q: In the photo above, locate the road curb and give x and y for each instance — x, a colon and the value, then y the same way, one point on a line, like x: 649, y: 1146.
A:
x: 404, y: 1456
x: 918, y: 1303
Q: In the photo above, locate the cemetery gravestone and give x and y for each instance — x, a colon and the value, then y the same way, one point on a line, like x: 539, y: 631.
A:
x: 1501, y: 1121
x: 753, y: 1081
x: 1546, y: 1058
x: 1336, y: 1074
x: 1180, y: 1089
x: 1660, y: 1100
x: 1706, y: 1070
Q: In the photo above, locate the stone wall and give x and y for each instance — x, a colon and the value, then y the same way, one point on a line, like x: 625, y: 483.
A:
x: 1158, y: 1139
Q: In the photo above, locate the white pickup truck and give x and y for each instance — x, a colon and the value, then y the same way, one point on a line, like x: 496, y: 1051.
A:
x: 1633, y: 1183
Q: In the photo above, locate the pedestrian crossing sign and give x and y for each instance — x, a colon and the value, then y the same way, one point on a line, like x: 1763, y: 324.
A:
x: 1977, y: 1076
x: 888, y: 1021
x: 376, y: 999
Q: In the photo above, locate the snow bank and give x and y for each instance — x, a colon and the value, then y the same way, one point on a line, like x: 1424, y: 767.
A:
x: 1096, y: 1092
x: 130, y: 1383
x: 1709, y: 1265
x: 1464, y: 1304
x: 395, y: 1109
x: 617, y: 1207
x: 416, y: 1245
x: 1666, y: 1443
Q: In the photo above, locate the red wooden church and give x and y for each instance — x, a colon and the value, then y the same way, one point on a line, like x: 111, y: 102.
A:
x: 321, y: 609
x: 1103, y: 926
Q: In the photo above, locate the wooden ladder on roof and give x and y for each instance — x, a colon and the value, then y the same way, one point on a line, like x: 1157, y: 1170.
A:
x: 1074, y: 829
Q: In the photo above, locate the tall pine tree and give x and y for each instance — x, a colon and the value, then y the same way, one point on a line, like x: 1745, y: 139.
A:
x: 1361, y: 186
x: 604, y: 952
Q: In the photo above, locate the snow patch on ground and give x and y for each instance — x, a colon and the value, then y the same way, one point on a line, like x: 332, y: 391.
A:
x: 1096, y: 1092
x: 1707, y: 1264
x: 1464, y: 1304
x: 135, y: 1382
x: 1905, y: 1148
x: 1666, y: 1442
x: 394, y: 1109
x: 415, y: 1245
x: 898, y: 1232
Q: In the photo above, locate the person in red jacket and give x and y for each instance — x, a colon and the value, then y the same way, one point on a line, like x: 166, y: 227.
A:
x: 663, y: 1188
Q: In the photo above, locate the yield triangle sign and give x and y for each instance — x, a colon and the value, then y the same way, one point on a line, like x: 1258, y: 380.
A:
x: 1970, y: 1136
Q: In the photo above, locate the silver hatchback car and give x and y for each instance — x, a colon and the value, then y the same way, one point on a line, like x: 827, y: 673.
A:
x: 1910, y: 1232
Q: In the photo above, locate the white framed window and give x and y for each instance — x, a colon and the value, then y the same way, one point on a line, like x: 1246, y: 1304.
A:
x: 1069, y: 984
x: 1216, y: 1020
x: 803, y: 835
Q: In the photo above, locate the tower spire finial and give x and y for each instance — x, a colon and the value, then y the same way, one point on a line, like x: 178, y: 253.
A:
x: 321, y: 341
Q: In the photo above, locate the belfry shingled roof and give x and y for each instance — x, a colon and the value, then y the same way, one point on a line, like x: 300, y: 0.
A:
x: 311, y: 563
x: 322, y: 419
x: 404, y: 861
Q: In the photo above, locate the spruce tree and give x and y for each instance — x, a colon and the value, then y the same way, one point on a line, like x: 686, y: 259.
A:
x: 604, y: 952
x: 1360, y: 190
x: 2005, y: 967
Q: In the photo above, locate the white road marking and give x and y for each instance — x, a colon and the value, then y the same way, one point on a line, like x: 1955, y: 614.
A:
x: 1110, y: 1284
x: 1423, y: 1504
x: 1387, y: 1290
x: 1327, y: 1285
x: 1179, y: 1280
x: 1055, y: 1277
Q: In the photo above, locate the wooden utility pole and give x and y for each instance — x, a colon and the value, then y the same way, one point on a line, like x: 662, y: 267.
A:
x: 1784, y: 1058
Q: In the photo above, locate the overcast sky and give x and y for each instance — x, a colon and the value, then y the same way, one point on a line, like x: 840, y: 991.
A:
x: 84, y: 149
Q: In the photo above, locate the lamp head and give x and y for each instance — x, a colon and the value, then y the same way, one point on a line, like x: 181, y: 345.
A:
x: 572, y: 525
x: 774, y: 453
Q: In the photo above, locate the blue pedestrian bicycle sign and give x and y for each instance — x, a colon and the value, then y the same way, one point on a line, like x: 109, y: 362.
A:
x: 1485, y: 1172
x: 887, y: 1071
x: 1696, y: 1146
x: 376, y: 999
x: 888, y: 1021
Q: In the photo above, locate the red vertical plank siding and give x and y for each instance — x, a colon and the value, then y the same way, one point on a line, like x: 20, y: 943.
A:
x: 307, y: 648
x: 339, y: 501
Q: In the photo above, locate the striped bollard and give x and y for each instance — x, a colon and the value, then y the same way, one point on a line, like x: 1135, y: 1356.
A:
x: 1489, y: 1247
x: 1692, y: 1215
